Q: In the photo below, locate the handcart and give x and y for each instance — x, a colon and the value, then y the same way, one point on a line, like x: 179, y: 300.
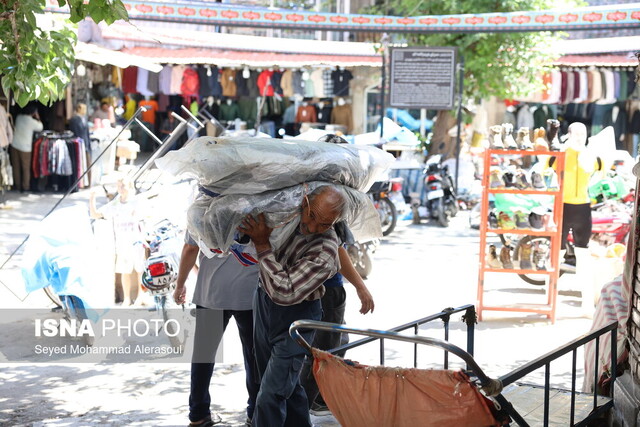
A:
x: 360, y: 395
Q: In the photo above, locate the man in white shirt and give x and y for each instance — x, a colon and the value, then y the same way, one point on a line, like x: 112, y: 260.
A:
x: 27, y: 123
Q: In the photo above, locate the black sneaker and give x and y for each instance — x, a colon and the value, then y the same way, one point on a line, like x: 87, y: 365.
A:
x: 319, y: 410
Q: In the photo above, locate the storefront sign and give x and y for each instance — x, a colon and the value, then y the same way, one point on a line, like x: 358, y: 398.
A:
x: 423, y: 77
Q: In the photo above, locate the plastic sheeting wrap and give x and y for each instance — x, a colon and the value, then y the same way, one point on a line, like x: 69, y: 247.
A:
x: 214, y: 220
x: 255, y: 165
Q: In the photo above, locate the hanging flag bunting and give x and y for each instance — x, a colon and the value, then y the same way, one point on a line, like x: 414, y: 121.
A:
x: 588, y: 18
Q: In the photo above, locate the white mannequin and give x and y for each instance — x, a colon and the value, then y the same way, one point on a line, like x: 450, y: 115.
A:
x: 210, y: 100
x: 341, y: 101
x: 246, y: 73
x: 341, y: 68
x: 229, y: 101
x: 208, y: 67
x: 305, y: 103
x: 320, y: 105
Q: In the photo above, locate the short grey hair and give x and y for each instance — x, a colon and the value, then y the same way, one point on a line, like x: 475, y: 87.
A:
x: 335, y: 197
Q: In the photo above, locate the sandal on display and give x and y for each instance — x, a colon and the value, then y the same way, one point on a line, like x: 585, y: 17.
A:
x: 505, y: 257
x: 508, y: 142
x: 505, y: 222
x: 523, y: 140
x: 492, y: 258
x: 495, y: 137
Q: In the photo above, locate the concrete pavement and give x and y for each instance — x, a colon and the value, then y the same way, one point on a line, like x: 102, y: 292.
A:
x: 418, y: 270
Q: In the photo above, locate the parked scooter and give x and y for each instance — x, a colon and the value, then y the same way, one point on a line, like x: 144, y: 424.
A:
x: 379, y: 193
x: 441, y: 203
x: 161, y: 274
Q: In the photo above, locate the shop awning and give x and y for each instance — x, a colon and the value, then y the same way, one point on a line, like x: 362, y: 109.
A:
x: 596, y: 61
x: 101, y: 56
x: 230, y: 58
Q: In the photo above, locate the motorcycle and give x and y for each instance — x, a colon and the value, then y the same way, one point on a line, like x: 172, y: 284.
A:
x: 161, y: 273
x: 361, y: 254
x: 379, y: 193
x: 441, y: 203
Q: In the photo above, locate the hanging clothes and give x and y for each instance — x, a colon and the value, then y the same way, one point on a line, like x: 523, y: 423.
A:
x: 276, y: 78
x: 228, y: 83
x: 341, y: 79
x: 343, y: 115
x: 296, y: 81
x: 306, y: 113
x: 327, y: 78
x: 190, y: 83
x: 129, y: 79
x: 6, y: 128
x: 229, y: 111
x: 318, y: 83
x: 164, y: 80
x: 153, y: 83
x: 252, y: 84
x: 286, y: 82
x: 264, y: 83
x: 177, y: 71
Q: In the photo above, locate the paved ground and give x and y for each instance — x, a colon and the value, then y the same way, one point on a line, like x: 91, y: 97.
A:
x: 418, y: 270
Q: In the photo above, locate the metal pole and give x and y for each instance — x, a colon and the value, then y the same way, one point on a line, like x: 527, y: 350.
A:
x: 384, y: 44
x: 460, y: 68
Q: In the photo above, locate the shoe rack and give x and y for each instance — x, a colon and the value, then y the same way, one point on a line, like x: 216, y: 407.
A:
x: 553, y: 233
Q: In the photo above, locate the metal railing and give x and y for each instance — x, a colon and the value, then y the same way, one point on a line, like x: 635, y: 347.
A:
x: 545, y: 361
x: 469, y: 318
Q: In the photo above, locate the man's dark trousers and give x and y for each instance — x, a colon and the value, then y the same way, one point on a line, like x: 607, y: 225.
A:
x: 281, y: 399
x: 210, y: 326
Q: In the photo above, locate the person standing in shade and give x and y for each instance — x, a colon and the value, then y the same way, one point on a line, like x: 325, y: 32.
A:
x: 27, y: 123
x: 225, y: 287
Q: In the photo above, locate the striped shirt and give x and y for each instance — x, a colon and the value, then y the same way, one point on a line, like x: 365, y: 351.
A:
x: 296, y: 272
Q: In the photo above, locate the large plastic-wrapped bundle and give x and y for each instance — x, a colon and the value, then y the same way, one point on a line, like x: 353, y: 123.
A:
x: 255, y: 165
x: 214, y: 220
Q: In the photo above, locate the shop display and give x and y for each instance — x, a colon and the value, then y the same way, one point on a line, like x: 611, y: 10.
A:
x: 524, y: 208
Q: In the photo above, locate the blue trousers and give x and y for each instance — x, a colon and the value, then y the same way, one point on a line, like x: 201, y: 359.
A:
x: 281, y: 399
x: 210, y: 326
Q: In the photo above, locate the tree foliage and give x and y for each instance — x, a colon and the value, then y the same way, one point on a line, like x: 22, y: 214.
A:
x: 37, y: 63
x: 506, y: 65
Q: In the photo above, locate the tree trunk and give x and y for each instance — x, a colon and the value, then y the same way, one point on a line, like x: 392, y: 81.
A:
x: 441, y: 142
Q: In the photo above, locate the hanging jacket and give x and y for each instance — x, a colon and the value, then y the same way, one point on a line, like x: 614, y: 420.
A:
x: 6, y: 130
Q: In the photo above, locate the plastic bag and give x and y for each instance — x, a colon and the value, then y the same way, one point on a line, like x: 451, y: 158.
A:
x: 214, y: 220
x: 255, y: 165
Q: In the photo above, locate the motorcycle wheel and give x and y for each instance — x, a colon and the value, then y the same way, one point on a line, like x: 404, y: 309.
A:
x: 532, y: 279
x: 361, y: 260
x: 388, y: 215
x: 52, y: 296
x: 453, y: 208
x: 440, y: 214
x: 176, y: 340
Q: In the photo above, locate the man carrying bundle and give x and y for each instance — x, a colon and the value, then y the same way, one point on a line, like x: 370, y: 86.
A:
x: 290, y: 289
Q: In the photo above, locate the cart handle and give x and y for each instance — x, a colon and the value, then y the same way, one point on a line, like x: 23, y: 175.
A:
x: 491, y: 387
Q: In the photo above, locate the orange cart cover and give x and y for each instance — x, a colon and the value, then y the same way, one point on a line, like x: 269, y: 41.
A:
x: 360, y: 395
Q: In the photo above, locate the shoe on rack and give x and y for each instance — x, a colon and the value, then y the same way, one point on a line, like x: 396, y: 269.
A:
x: 508, y: 179
x: 319, y: 410
x: 522, y: 220
x: 548, y: 222
x: 492, y: 258
x: 495, y: 179
x: 505, y: 257
x: 539, y: 140
x: 493, y: 220
x: 505, y: 222
x: 523, y: 140
x: 495, y: 138
x: 508, y: 142
x: 536, y: 221
x: 553, y: 126
x: 550, y: 179
x: 539, y: 257
x: 537, y: 182
x: 525, y: 256
x: 521, y: 180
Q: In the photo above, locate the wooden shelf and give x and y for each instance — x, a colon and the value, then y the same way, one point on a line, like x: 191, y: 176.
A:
x: 528, y: 231
x: 518, y: 191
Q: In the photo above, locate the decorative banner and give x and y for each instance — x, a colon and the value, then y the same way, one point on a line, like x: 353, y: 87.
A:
x: 588, y: 18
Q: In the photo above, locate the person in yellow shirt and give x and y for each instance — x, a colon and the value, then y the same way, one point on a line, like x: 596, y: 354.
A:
x: 129, y: 107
